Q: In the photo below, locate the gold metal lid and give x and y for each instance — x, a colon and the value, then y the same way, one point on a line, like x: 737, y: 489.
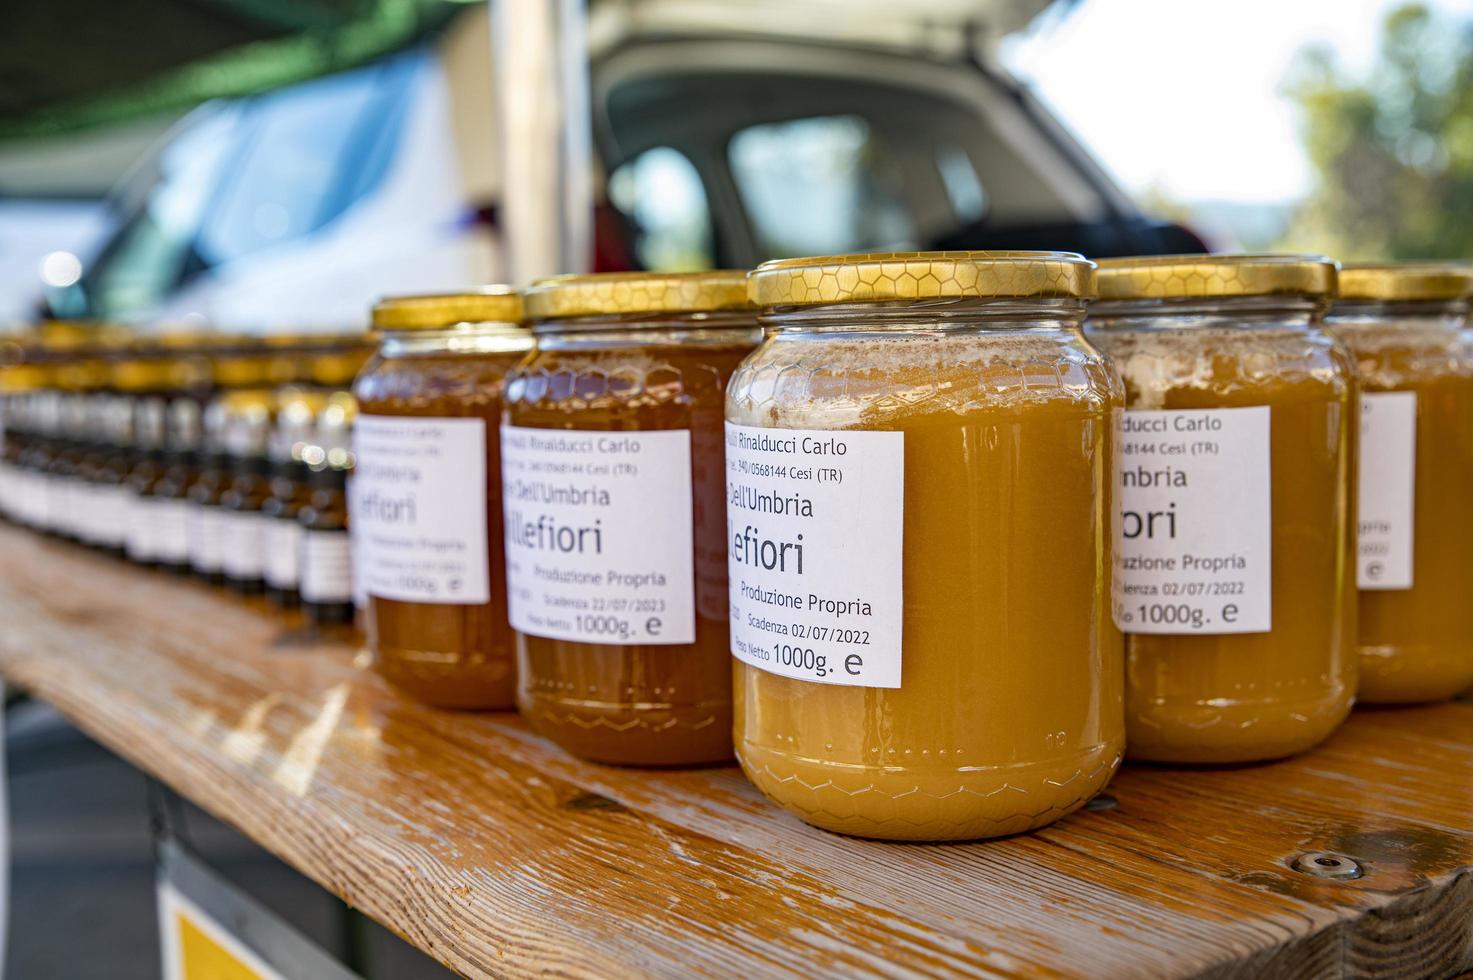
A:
x: 241, y: 361
x: 18, y: 378
x: 248, y: 401
x: 142, y: 373
x: 337, y: 368
x: 437, y: 311
x: 82, y: 374
x: 183, y: 339
x: 890, y: 276
x: 1199, y: 276
x: 1405, y: 281
x: 625, y: 293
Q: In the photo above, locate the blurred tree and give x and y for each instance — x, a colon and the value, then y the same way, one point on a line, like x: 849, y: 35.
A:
x: 1394, y: 150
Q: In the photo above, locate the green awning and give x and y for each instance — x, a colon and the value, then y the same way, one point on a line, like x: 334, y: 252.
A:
x: 66, y: 66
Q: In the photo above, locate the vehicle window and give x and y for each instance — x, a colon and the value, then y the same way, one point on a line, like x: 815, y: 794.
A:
x: 148, y: 255
x: 963, y: 186
x: 661, y: 193
x: 288, y: 180
x: 820, y: 186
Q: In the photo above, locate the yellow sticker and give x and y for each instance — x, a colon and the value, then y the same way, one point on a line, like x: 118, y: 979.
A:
x: 197, y: 947
x: 202, y: 958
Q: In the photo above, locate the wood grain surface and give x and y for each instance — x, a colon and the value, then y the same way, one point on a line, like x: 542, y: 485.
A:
x: 500, y: 855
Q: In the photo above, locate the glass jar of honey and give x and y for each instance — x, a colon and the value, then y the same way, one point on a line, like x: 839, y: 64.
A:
x: 1406, y: 327
x: 612, y: 482
x: 918, y: 505
x: 1233, y: 578
x: 426, y: 501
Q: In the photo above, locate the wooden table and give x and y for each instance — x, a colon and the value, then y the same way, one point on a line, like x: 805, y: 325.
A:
x: 499, y: 854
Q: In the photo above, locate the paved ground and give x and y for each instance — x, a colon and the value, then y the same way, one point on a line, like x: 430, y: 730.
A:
x: 83, y: 902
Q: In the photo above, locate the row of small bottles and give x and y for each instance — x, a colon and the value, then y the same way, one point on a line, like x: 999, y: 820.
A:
x: 925, y: 549
x: 222, y: 458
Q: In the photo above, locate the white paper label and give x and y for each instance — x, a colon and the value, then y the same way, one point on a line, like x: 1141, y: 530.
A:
x: 25, y: 497
x: 283, y: 552
x: 598, y: 535
x: 206, y: 538
x: 112, y: 501
x: 1195, y: 536
x: 244, y: 541
x: 327, y: 567
x: 7, y: 490
x: 170, y: 532
x: 84, y: 511
x: 53, y: 502
x: 74, y: 496
x: 33, y: 499
x: 815, y: 524
x: 419, y: 517
x: 1388, y: 466
x: 140, y: 527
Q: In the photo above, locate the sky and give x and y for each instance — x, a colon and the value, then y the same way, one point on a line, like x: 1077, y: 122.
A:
x: 1167, y: 93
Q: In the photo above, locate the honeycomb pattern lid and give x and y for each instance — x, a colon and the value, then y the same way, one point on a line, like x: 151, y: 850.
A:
x: 624, y: 293
x: 890, y: 276
x: 1406, y: 281
x: 438, y: 311
x: 1200, y: 276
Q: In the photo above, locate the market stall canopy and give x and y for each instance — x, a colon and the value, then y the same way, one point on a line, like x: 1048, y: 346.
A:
x: 71, y: 66
x: 67, y: 67
x: 940, y: 27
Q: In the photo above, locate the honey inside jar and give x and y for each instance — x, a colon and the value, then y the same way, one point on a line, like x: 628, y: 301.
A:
x: 918, y: 507
x: 1406, y: 327
x: 1234, y: 580
x: 613, y: 487
x: 427, y: 512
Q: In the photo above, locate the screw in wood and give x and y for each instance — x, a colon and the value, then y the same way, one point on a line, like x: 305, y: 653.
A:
x: 1323, y: 864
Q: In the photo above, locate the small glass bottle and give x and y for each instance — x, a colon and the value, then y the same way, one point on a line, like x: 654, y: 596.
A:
x: 613, y: 489
x: 296, y: 416
x: 111, y: 497
x: 89, y: 467
x: 247, y: 435
x: 326, y: 564
x: 1233, y: 575
x: 1406, y: 325
x: 206, y: 526
x: 149, y: 410
x: 183, y: 433
x: 77, y: 379
x: 918, y: 504
x: 64, y: 516
x: 37, y: 461
x: 20, y: 379
x: 427, y: 514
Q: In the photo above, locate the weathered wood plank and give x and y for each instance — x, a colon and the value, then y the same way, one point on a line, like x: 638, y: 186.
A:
x: 499, y: 854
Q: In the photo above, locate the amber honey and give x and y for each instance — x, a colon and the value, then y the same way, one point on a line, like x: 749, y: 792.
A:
x: 936, y: 434
x: 612, y: 467
x: 1406, y: 327
x: 1244, y: 649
